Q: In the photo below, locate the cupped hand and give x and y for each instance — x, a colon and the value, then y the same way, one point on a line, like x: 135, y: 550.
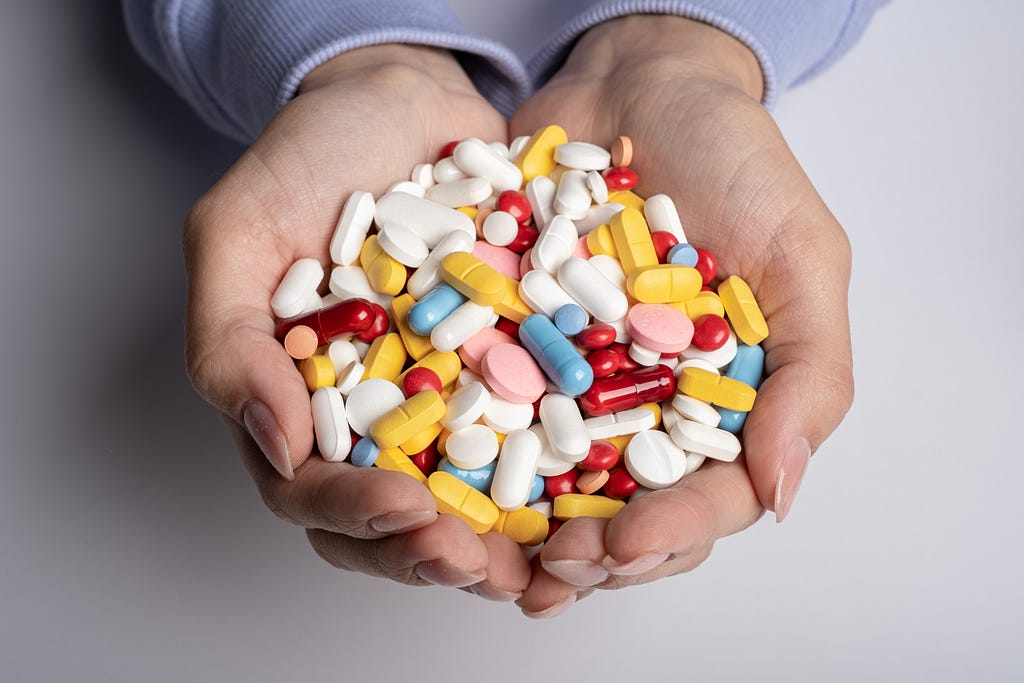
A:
x: 688, y: 96
x: 361, y: 121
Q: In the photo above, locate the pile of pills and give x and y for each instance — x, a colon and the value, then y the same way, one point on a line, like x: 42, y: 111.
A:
x: 519, y: 330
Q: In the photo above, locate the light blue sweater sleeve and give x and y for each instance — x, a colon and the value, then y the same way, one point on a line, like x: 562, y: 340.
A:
x: 792, y: 39
x: 238, y: 61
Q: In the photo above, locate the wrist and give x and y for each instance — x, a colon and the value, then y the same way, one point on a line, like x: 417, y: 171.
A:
x: 666, y: 45
x: 436, y: 64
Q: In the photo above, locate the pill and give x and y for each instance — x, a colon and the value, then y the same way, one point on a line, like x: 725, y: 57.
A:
x: 543, y: 293
x: 663, y: 283
x: 301, y: 342
x: 707, y: 265
x: 512, y: 373
x: 619, y: 177
x: 622, y: 151
x: 402, y: 244
x: 654, y: 460
x: 601, y: 456
x: 572, y: 505
x: 428, y: 275
x: 747, y: 366
x: 465, y: 406
x: 500, y: 228
x: 556, y: 355
x: 596, y: 336
x: 445, y: 363
x: 350, y: 282
x: 570, y: 319
x: 430, y: 220
x: 385, y: 358
x: 317, y: 371
x: 537, y: 157
x: 681, y: 254
x: 717, y: 358
x: 505, y: 416
x: 476, y: 159
x: 710, y: 332
x: 350, y: 232
x: 567, y: 434
x: 464, y: 322
x: 573, y: 196
x: 460, y: 192
x: 370, y: 400
x: 661, y: 214
x: 555, y: 244
x: 695, y: 410
x: 711, y: 442
x: 587, y: 285
x: 601, y: 243
x: 434, y: 307
x: 349, y: 376
x: 561, y: 484
x: 473, y: 350
x: 446, y: 170
x: 643, y: 355
x: 716, y: 389
x: 380, y: 325
x: 628, y: 390
x: 517, y: 465
x: 479, y: 478
x: 394, y: 460
x: 364, y: 453
x: 340, y: 320
x: 330, y: 424
x: 743, y: 312
x: 525, y: 525
x: 584, y: 156
x: 627, y: 198
x: 473, y: 278
x: 297, y: 287
x: 632, y: 240
x: 457, y: 498
x: 628, y: 421
x: 598, y: 188
x: 620, y: 484
x: 541, y: 193
x: 385, y: 274
x: 591, y: 481
x: 471, y: 447
x: 603, y: 362
x: 659, y: 327
x: 548, y: 463
x: 406, y: 420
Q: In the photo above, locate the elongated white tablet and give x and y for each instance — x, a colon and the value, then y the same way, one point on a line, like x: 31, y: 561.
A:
x: 654, y: 460
x: 475, y: 158
x: 660, y: 212
x: 517, y: 465
x: 430, y: 220
x: 611, y: 269
x: 554, y: 245
x: 369, y: 400
x: 563, y: 424
x: 349, y: 282
x: 505, y: 417
x: 542, y: 293
x: 408, y: 187
x: 297, y: 287
x: 715, y: 443
x: 541, y: 193
x: 350, y: 233
x: 597, y: 215
x: 598, y: 187
x: 587, y: 285
x: 548, y: 463
x: 584, y: 156
x: 428, y: 274
x: 446, y: 170
x: 573, y: 196
x: 694, y: 409
x: 403, y: 245
x: 618, y: 424
x: 471, y: 447
x: 669, y: 416
x: 330, y: 424
x: 460, y: 325
x: 465, y: 406
x: 462, y: 192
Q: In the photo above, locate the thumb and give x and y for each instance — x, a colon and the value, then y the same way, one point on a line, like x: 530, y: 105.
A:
x: 233, y: 359
x: 808, y: 359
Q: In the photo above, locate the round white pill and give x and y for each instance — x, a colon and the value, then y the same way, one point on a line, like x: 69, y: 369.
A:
x: 505, y: 417
x: 402, y: 244
x: 369, y: 400
x: 465, y: 406
x: 654, y: 460
x: 500, y: 228
x: 472, y: 447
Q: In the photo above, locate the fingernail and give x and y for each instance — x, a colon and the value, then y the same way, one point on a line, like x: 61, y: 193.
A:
x: 394, y: 522
x: 640, y: 565
x: 488, y: 592
x: 441, y: 573
x: 790, y: 475
x: 554, y: 610
x: 264, y: 430
x: 576, y: 572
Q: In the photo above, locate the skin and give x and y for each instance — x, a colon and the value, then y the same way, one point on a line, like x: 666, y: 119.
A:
x: 700, y: 135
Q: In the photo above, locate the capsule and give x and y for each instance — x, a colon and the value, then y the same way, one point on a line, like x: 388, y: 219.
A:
x: 628, y: 390
x: 343, y: 319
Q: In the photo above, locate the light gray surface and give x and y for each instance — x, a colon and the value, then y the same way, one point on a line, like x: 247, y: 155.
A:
x: 134, y: 547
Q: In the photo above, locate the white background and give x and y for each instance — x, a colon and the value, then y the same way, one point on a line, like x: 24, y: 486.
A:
x: 134, y: 548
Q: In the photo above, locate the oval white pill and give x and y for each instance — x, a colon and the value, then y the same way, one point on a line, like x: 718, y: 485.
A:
x: 694, y: 461
x: 475, y: 158
x: 694, y: 409
x: 349, y: 282
x: 554, y: 245
x: 660, y: 212
x: 472, y: 447
x: 423, y: 175
x: 297, y: 287
x: 623, y: 422
x: 541, y: 193
x: 330, y: 424
x: 517, y: 465
x: 500, y: 228
x: 596, y: 293
x: 428, y: 219
x: 369, y: 400
x: 465, y: 406
x: 505, y: 417
x: 654, y: 460
x: 462, y: 192
x: 403, y: 245
x: 548, y: 463
x: 598, y: 215
x: 446, y: 170
x: 408, y: 187
x: 350, y: 233
x: 598, y: 187
x: 693, y: 437
x: 542, y: 293
x: 573, y: 196
x: 611, y: 269
x: 428, y: 275
x: 461, y: 324
x: 349, y: 376
x: 584, y: 156
x: 563, y: 424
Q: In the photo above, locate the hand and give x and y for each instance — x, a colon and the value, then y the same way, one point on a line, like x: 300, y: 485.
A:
x: 688, y: 96
x: 360, y: 122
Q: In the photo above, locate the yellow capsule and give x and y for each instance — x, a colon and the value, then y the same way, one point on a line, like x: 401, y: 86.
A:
x: 537, y: 157
x: 405, y: 421
x: 421, y: 440
x: 632, y: 240
x: 318, y: 371
x: 512, y: 306
x: 446, y: 364
x: 385, y: 358
x: 456, y: 497
x: 711, y: 387
x: 396, y: 461
x: 417, y: 345
x: 570, y: 505
x: 744, y: 313
x: 525, y: 525
x: 386, y: 275
x: 473, y: 278
x: 627, y: 198
x: 599, y: 241
x: 663, y: 283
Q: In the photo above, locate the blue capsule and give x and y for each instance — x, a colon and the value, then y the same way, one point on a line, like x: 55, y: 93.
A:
x: 435, y: 306
x: 556, y: 355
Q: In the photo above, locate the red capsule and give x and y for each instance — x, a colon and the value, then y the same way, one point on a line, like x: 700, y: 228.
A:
x: 663, y: 241
x: 596, y: 336
x: 629, y: 390
x: 380, y: 325
x: 710, y: 332
x: 426, y: 460
x: 626, y: 364
x: 420, y: 379
x: 448, y: 150
x: 515, y: 203
x: 508, y: 327
x: 707, y: 265
x: 620, y: 484
x: 561, y: 483
x: 620, y: 178
x: 602, y: 456
x: 604, y: 362
x: 343, y: 319
x: 525, y: 238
